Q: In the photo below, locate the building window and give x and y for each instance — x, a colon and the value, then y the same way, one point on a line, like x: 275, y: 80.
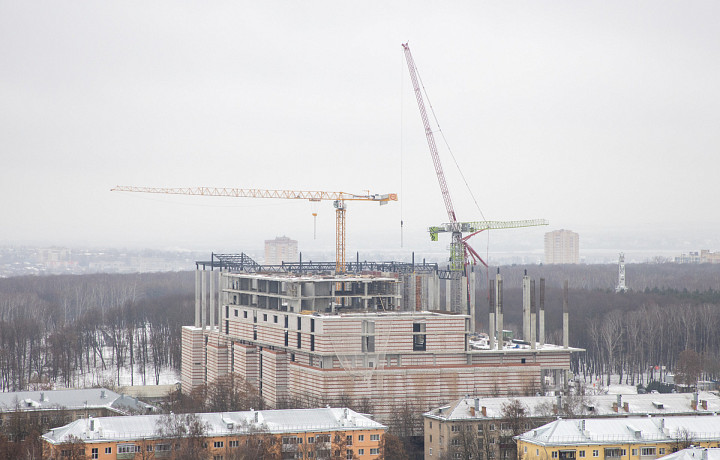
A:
x: 374, y: 437
x: 265, y: 317
x: 374, y: 451
x: 217, y: 457
x: 596, y: 453
x: 503, y: 426
x: 312, y: 343
x: 418, y: 336
x: 647, y: 451
x: 275, y: 319
x: 108, y: 450
x: 236, y: 312
x: 245, y: 314
x: 554, y: 454
x: 349, y: 454
x: 634, y: 452
x: 582, y: 453
x: 286, y: 338
x: 299, y: 340
x: 299, y: 321
x: 361, y: 437
x: 311, y: 440
x: 430, y: 451
x: 149, y: 448
x: 480, y: 428
x: 218, y: 444
x: 162, y: 447
x: 661, y: 451
x: 233, y: 443
x: 454, y: 428
x: 349, y: 440
x: 127, y: 448
x: 430, y: 438
x: 491, y: 427
x: 312, y: 325
x: 94, y: 453
x: 362, y: 452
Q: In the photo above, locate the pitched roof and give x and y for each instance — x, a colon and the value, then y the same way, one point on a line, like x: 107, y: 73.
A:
x: 597, y: 431
x: 89, y: 398
x: 588, y: 406
x: 103, y: 429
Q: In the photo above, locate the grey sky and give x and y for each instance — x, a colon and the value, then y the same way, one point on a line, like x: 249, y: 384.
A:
x: 600, y: 116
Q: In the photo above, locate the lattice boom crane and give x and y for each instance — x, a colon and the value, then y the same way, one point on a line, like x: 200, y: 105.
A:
x: 460, y: 251
x: 338, y: 198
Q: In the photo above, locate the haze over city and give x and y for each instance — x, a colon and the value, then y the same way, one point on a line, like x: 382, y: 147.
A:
x: 598, y: 116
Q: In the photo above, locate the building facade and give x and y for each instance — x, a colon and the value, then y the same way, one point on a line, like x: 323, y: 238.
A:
x: 562, y: 247
x: 278, y: 434
x: 321, y: 339
x: 630, y: 438
x: 281, y: 249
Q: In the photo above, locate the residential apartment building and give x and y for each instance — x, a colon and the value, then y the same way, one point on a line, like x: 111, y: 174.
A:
x: 297, y: 434
x: 562, y: 247
x: 281, y: 249
x: 487, y: 425
x: 695, y: 453
x: 630, y: 438
x: 322, y: 339
x: 56, y: 407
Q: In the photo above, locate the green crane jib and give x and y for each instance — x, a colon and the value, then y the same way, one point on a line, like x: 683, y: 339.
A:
x: 475, y: 227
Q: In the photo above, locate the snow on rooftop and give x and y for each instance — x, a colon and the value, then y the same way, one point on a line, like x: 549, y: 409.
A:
x: 105, y: 429
x: 630, y: 429
x: 591, y: 406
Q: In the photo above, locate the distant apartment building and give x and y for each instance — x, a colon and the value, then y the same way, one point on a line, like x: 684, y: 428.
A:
x: 281, y: 249
x: 299, y: 434
x: 562, y: 247
x: 703, y: 257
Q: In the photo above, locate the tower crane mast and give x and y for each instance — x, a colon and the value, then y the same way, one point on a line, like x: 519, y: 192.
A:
x: 338, y: 198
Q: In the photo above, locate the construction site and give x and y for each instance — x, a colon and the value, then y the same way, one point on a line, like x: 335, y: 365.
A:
x: 390, y: 333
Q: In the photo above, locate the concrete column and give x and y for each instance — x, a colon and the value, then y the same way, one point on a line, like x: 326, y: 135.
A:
x: 473, y: 304
x: 197, y: 296
x: 499, y: 297
x: 526, y: 307
x: 203, y: 300
x: 542, y: 312
x: 431, y: 292
x: 211, y: 274
x: 448, y: 295
x: 411, y: 288
x: 436, y: 291
x: 365, y: 293
x: 566, y: 326
x: 533, y: 316
x: 491, y: 322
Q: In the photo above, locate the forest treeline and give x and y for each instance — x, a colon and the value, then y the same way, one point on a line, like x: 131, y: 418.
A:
x: 56, y: 329
x: 59, y: 329
x: 669, y: 308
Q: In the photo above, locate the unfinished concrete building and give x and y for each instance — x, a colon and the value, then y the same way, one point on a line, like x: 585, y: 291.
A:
x: 321, y: 338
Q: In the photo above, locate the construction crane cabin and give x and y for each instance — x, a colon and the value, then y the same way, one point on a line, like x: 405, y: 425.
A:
x: 461, y: 253
x: 338, y: 199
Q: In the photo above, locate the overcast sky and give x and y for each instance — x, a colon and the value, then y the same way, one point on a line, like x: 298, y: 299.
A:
x: 600, y: 116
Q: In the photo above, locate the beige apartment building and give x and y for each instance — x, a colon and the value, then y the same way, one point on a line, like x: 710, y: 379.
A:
x: 281, y: 249
x: 562, y: 247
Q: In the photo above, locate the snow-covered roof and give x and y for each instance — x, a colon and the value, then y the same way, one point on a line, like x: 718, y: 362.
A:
x: 695, y: 453
x: 90, y: 398
x: 597, y: 431
x: 589, y: 406
x: 103, y: 429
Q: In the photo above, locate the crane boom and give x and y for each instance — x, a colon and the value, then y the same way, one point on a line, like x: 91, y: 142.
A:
x: 484, y: 225
x: 339, y: 199
x: 429, y: 134
x: 311, y: 195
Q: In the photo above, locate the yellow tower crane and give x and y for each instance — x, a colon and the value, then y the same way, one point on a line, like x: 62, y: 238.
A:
x: 338, y: 198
